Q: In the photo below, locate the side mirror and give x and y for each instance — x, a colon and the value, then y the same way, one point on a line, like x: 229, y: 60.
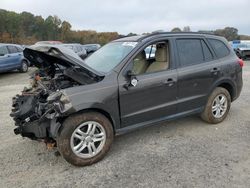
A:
x: 2, y: 54
x: 132, y: 80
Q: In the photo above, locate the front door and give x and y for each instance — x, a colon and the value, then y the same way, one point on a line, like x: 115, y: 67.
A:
x: 151, y: 96
x: 5, y: 59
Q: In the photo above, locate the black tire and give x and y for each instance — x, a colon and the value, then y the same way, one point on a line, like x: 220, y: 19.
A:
x: 68, y: 128
x: 24, y: 66
x: 207, y: 115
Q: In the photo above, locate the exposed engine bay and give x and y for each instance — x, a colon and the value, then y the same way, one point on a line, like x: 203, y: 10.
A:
x: 40, y: 108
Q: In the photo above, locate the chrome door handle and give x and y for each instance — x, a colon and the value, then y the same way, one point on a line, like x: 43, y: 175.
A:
x: 215, y: 70
x: 169, y: 82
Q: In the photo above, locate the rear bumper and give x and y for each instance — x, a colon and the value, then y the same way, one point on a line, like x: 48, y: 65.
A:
x: 239, y: 85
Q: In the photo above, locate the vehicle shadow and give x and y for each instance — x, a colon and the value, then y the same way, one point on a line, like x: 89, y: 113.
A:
x: 37, y: 154
x: 164, y: 130
x: 2, y: 74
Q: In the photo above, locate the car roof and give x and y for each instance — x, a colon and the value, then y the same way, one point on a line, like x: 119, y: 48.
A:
x: 139, y: 38
x: 8, y: 44
x: 49, y: 42
x: 132, y: 38
x: 90, y: 44
x: 70, y: 44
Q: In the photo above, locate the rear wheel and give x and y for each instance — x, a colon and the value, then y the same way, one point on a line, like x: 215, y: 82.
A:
x: 24, y: 67
x: 85, y: 138
x: 217, y: 106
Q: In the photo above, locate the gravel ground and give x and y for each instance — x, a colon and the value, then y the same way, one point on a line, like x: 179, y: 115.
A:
x: 182, y: 153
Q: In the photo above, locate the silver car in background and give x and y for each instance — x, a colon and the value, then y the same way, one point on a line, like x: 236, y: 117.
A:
x: 77, y: 48
x: 243, y: 50
x: 91, y: 48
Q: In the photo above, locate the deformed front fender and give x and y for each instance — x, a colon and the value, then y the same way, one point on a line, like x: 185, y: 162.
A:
x: 101, y: 97
x: 102, y: 108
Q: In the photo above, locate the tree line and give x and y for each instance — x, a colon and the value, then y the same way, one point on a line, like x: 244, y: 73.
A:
x: 230, y: 33
x: 26, y: 28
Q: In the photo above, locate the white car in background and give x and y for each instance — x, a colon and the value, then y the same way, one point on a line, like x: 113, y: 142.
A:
x: 150, y: 52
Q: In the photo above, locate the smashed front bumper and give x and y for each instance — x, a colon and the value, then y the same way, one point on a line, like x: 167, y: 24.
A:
x: 33, y: 130
x: 34, y: 123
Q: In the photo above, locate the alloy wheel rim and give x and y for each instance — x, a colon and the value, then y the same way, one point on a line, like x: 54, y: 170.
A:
x: 25, y: 67
x: 219, y: 106
x: 88, y: 139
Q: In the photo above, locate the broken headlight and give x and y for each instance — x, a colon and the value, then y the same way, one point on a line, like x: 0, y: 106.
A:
x: 54, y: 96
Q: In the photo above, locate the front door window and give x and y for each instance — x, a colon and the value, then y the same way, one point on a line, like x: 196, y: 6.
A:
x: 153, y: 58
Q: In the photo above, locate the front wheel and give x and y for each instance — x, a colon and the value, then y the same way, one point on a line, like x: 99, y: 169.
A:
x: 217, y: 106
x: 85, y: 138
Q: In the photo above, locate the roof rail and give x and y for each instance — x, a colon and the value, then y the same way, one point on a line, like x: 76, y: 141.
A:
x: 180, y: 33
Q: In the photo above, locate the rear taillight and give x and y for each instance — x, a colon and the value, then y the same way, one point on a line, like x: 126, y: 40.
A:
x: 241, y: 62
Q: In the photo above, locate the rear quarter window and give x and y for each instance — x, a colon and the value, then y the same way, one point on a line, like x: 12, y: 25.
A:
x: 220, y: 49
x: 19, y: 49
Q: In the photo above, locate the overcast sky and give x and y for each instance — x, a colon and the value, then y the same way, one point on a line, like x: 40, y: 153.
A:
x: 141, y: 16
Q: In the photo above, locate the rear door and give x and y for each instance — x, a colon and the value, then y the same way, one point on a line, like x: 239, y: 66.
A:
x: 14, y: 57
x: 197, y: 71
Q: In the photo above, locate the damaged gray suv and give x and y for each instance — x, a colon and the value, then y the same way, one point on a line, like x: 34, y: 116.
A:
x: 80, y: 106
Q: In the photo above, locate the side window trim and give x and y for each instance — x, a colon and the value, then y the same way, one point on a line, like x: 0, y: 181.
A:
x: 194, y: 38
x: 9, y: 51
x: 17, y: 51
x: 177, y: 50
x: 208, y: 47
x: 9, y: 47
x: 216, y: 55
x: 157, y: 73
x: 171, y: 49
x: 203, y: 51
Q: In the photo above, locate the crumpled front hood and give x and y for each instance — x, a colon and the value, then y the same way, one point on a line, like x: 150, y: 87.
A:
x: 45, y: 55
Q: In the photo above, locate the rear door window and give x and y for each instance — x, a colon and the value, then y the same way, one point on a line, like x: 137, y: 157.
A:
x: 12, y: 49
x: 190, y: 51
x: 219, y: 47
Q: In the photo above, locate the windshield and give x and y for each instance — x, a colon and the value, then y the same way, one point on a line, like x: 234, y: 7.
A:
x: 109, y: 56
